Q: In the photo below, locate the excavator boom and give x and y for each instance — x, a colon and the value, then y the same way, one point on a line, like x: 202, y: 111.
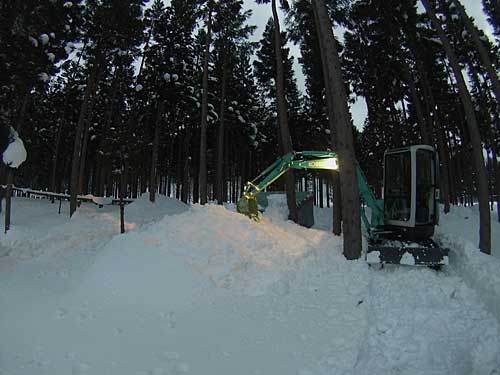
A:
x: 326, y: 160
x: 295, y: 160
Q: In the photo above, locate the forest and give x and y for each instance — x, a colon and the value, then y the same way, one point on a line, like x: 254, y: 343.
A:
x: 116, y: 98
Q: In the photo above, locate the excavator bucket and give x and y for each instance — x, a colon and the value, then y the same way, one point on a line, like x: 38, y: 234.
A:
x: 421, y: 253
x: 247, y: 205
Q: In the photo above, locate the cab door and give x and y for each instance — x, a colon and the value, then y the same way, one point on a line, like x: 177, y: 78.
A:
x: 398, y: 188
x: 425, y: 179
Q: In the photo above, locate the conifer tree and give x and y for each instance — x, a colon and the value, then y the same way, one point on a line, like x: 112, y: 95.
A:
x: 492, y: 10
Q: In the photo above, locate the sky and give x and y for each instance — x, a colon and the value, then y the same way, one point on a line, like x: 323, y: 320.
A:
x: 261, y: 14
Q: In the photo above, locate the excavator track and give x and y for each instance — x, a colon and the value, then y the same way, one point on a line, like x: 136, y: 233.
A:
x: 414, y: 253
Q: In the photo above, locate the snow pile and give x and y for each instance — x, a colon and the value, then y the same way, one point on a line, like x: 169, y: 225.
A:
x: 99, y: 200
x: 373, y: 257
x: 142, y: 211
x: 44, y: 38
x: 235, y: 252
x: 44, y: 77
x: 408, y: 259
x: 15, y: 153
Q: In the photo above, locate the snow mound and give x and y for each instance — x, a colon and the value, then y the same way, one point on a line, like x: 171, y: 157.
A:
x: 234, y: 252
x: 142, y: 211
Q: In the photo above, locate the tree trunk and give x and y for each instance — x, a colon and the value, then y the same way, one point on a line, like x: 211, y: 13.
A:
x: 103, y: 160
x: 89, y: 94
x: 196, y: 187
x: 220, y: 133
x: 424, y: 132
x: 472, y: 125
x: 204, y: 112
x: 185, y: 170
x: 154, y: 156
x: 496, y: 168
x: 347, y: 160
x: 337, y: 196
x: 283, y: 116
x: 121, y: 196
x: 83, y: 156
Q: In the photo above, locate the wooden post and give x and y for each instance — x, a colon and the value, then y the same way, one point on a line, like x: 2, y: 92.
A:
x: 8, y: 199
x: 122, y: 203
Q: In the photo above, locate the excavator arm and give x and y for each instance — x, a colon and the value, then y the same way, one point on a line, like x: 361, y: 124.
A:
x: 326, y: 160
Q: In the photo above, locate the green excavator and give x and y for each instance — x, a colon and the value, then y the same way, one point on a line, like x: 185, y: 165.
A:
x: 401, y: 225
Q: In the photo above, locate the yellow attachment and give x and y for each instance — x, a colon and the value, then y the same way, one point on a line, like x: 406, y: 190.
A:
x: 247, y: 205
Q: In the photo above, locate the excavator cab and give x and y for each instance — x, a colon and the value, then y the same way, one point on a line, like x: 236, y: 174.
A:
x: 410, y: 191
x: 410, y: 209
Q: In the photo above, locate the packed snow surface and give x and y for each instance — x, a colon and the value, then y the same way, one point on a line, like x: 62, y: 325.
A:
x: 204, y: 290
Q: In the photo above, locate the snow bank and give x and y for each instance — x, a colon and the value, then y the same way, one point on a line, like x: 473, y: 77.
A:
x: 37, y: 229
x: 479, y: 270
x: 459, y: 232
x: 424, y: 322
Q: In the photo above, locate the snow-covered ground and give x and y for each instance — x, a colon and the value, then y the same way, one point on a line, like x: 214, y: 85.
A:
x: 204, y: 290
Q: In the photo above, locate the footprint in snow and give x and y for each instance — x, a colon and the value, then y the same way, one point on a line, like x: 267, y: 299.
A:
x: 157, y: 371
x: 169, y: 356
x: 169, y: 317
x: 61, y: 313
x: 85, y: 316
x: 181, y: 368
x: 70, y: 356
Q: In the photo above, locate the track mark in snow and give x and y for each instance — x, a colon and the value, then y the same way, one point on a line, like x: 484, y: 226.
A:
x: 427, y: 322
